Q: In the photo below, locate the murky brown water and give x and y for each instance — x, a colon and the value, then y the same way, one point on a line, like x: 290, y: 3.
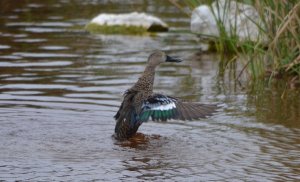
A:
x: 60, y: 87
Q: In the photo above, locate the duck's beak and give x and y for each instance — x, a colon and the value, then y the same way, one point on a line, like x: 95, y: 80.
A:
x: 173, y: 59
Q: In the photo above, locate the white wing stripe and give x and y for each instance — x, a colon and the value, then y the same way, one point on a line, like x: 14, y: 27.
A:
x: 163, y: 107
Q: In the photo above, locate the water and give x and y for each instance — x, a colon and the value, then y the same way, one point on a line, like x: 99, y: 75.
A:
x: 60, y: 87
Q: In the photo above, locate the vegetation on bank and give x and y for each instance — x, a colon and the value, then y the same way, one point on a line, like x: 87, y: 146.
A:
x: 116, y: 29
x: 280, y: 56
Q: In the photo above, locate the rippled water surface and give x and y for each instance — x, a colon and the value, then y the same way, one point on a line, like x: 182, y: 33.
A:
x: 60, y: 87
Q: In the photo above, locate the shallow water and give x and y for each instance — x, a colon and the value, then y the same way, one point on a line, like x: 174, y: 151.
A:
x: 60, y: 87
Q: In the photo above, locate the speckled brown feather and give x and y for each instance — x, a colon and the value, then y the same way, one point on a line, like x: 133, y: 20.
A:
x: 128, y: 114
x: 133, y: 100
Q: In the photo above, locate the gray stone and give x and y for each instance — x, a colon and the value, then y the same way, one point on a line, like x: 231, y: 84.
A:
x: 151, y: 23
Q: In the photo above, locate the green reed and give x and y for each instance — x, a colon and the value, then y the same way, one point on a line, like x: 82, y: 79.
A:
x: 279, y: 55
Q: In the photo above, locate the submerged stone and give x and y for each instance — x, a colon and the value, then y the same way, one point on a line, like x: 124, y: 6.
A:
x: 131, y: 23
x: 238, y: 19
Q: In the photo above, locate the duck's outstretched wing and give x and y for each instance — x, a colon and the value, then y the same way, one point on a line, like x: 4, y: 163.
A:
x: 161, y: 108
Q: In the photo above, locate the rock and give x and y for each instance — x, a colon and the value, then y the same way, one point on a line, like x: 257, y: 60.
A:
x: 131, y: 23
x: 203, y: 21
x: 238, y: 19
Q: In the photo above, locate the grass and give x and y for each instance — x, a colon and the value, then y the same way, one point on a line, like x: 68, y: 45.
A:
x: 279, y: 55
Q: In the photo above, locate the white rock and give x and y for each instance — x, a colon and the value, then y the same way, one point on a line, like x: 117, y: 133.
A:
x: 238, y: 19
x: 203, y: 21
x: 130, y: 19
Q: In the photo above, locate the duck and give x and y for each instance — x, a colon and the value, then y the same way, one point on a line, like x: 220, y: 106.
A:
x: 140, y: 103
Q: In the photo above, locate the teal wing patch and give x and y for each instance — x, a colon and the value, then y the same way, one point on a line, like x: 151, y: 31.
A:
x: 159, y: 108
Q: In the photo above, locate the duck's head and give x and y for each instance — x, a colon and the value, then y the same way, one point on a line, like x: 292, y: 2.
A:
x: 158, y: 57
